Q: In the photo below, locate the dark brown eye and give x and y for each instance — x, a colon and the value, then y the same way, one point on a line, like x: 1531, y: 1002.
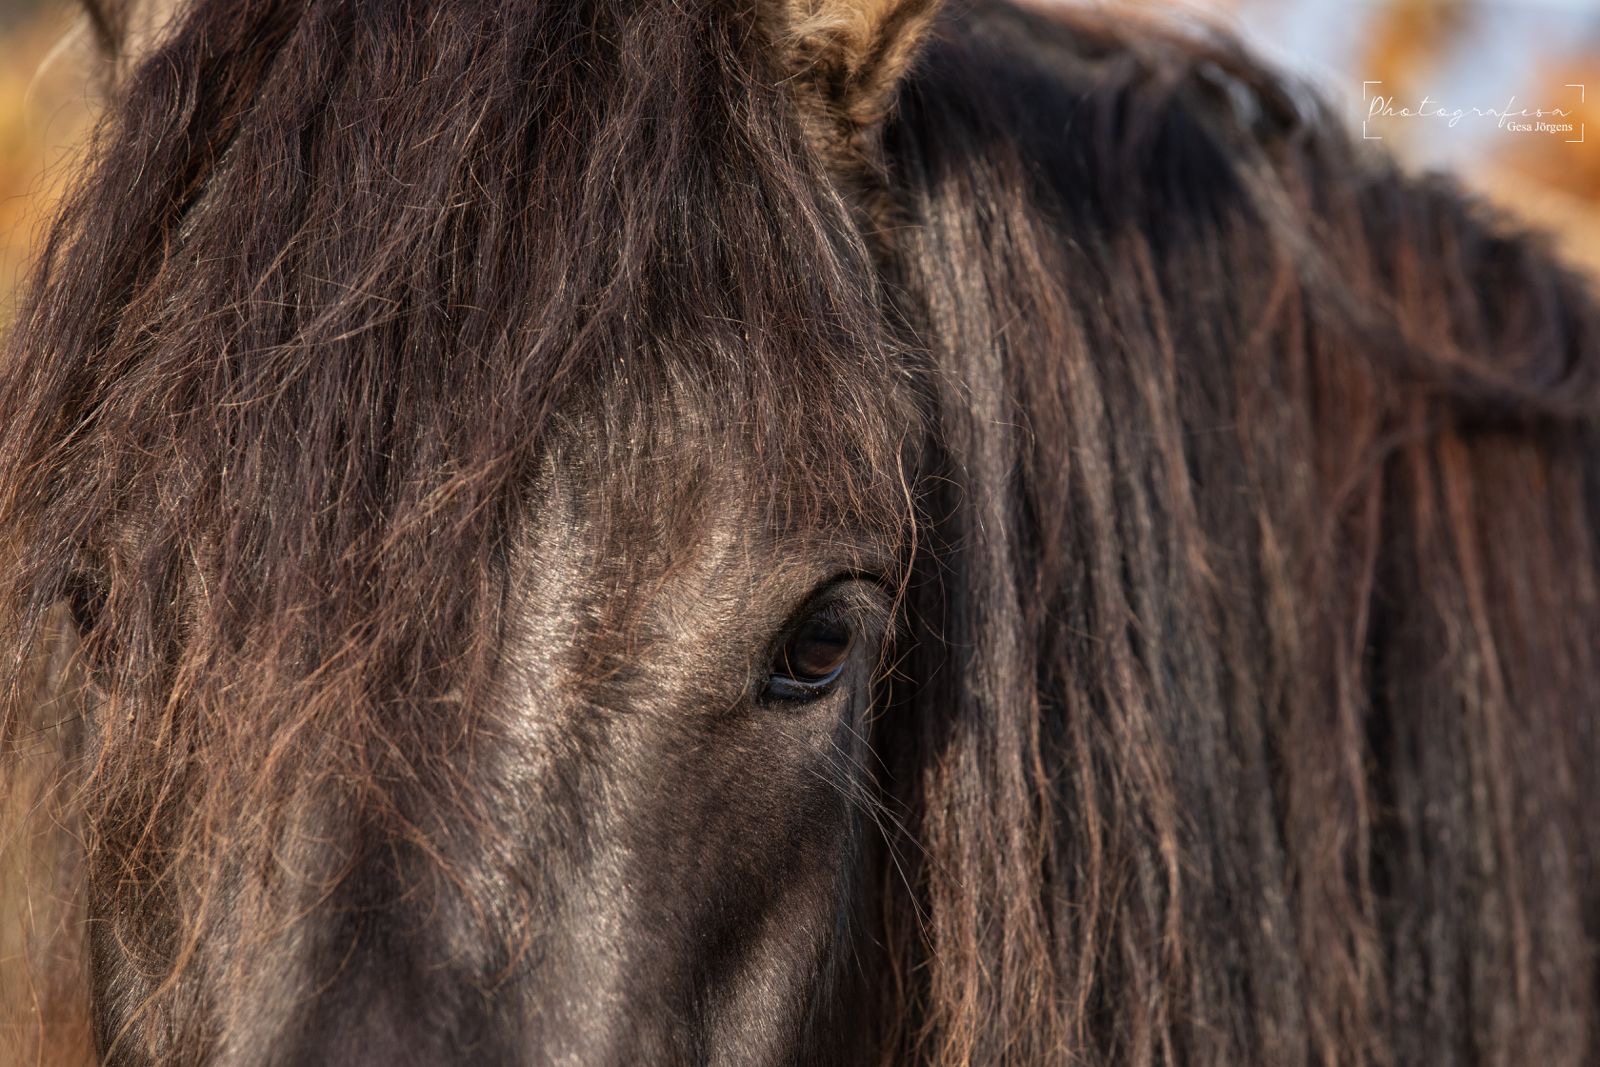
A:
x: 811, y: 660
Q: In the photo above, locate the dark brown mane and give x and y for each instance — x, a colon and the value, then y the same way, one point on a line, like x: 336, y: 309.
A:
x: 1241, y: 709
x: 1276, y: 577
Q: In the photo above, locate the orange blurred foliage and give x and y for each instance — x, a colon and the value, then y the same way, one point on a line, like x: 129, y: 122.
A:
x: 1406, y: 38
x: 45, y: 110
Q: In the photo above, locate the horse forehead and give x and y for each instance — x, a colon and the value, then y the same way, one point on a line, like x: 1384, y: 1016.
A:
x: 592, y: 563
x: 666, y: 543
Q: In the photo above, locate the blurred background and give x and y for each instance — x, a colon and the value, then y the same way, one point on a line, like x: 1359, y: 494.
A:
x: 45, y: 109
x: 1456, y: 65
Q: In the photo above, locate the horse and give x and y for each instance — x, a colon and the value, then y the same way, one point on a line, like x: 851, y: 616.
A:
x: 756, y: 532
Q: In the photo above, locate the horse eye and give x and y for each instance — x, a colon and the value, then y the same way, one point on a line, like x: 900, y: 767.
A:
x: 811, y: 660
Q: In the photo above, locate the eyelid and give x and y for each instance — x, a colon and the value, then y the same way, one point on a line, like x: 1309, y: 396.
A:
x: 783, y: 687
x: 832, y: 599
x: 865, y: 575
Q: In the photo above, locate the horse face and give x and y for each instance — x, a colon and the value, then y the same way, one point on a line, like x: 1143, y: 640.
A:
x: 489, y: 570
x: 645, y: 839
x: 687, y: 744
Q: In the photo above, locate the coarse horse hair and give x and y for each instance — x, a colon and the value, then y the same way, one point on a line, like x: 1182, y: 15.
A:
x: 1234, y: 490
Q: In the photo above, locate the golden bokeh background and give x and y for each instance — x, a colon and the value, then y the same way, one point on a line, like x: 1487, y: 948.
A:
x: 1462, y: 55
x: 46, y: 107
x: 1468, y: 53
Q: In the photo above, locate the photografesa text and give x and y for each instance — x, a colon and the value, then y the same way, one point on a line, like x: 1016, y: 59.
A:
x: 1512, y: 118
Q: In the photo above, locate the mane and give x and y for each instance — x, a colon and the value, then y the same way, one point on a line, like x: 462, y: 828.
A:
x: 1261, y: 643
x: 1251, y: 607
